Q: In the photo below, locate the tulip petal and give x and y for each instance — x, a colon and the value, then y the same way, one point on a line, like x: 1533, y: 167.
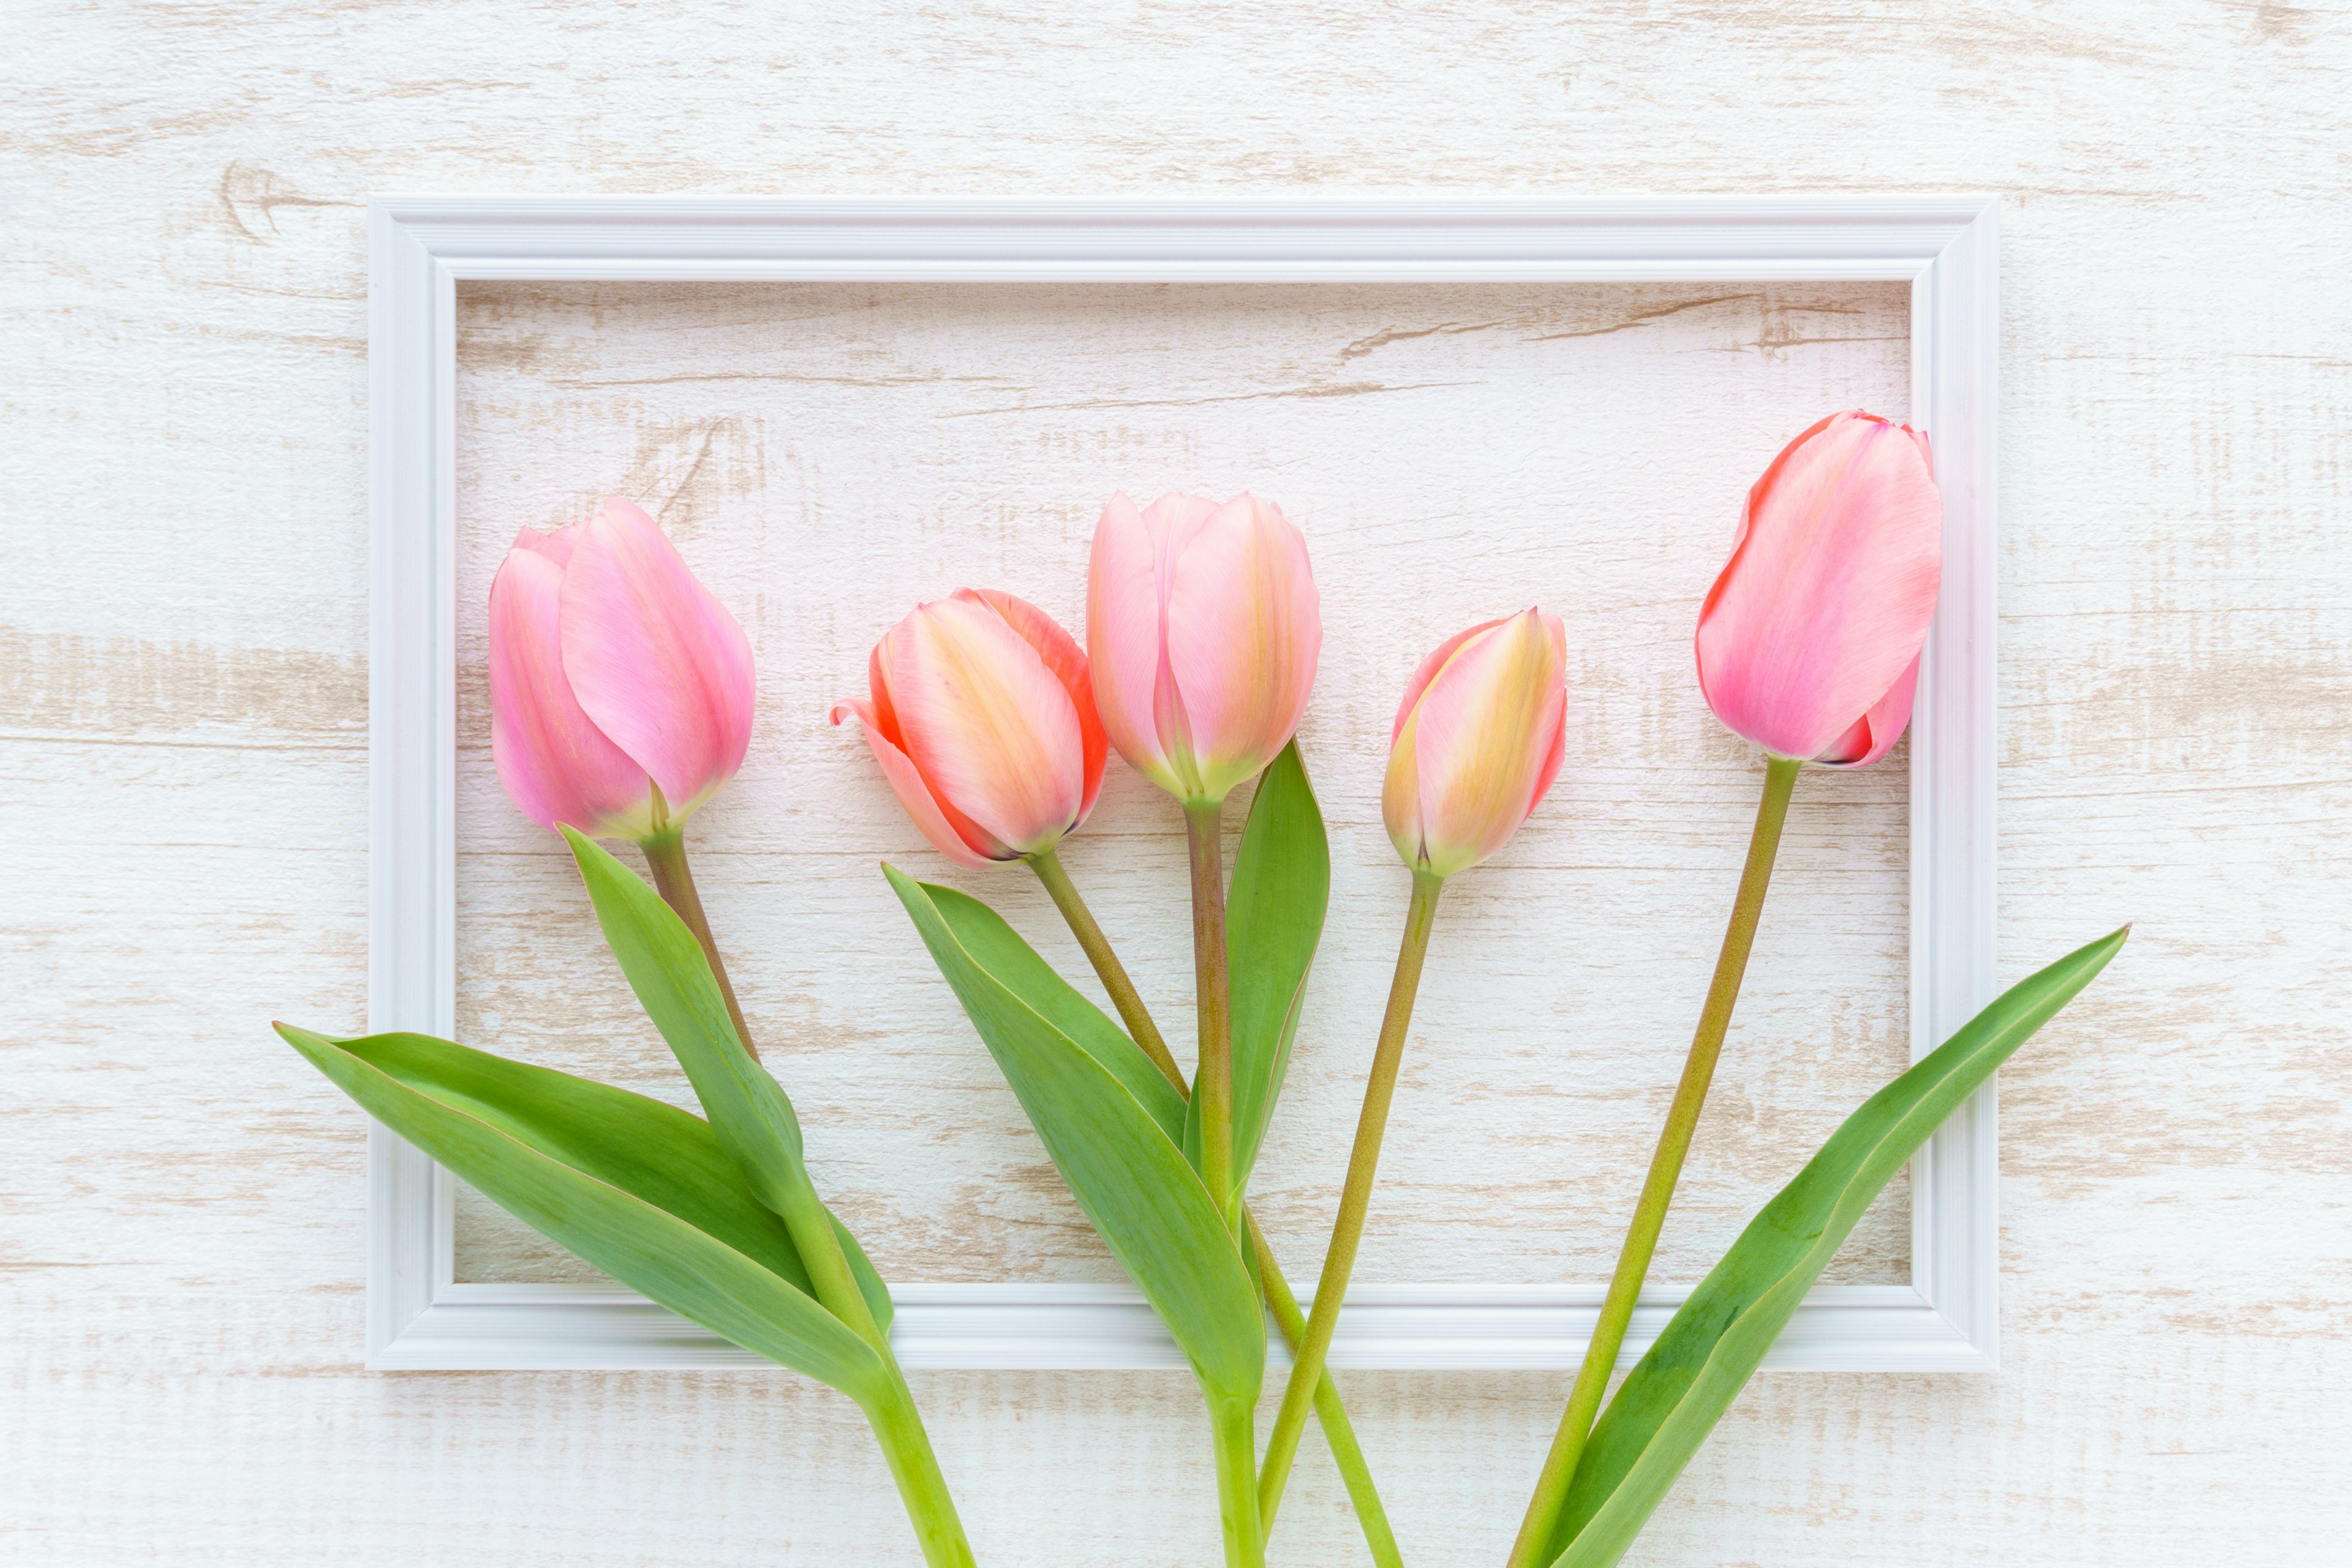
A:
x: 1243, y: 631
x: 1830, y: 587
x: 1428, y: 670
x: 655, y: 660
x: 556, y: 546
x: 907, y: 784
x: 990, y: 726
x: 1067, y: 662
x: 551, y: 758
x: 1878, y: 731
x: 1123, y: 621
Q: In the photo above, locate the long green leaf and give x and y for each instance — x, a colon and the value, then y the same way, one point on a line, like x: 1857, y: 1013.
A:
x: 747, y: 1109
x: 638, y: 1188
x: 1000, y: 951
x: 1274, y: 917
x: 666, y: 969
x: 1143, y: 1198
x: 1689, y: 1378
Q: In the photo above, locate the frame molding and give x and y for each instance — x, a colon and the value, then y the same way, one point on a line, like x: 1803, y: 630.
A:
x: 1945, y: 246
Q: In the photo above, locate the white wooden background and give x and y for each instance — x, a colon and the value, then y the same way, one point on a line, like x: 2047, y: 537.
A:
x: 826, y: 455
x: 182, y: 717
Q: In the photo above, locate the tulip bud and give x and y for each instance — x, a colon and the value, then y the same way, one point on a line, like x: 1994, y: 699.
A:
x: 983, y: 720
x: 1204, y: 627
x: 1808, y: 642
x: 620, y: 689
x: 1478, y: 740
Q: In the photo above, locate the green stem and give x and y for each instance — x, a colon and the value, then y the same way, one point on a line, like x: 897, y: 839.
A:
x: 1338, y: 1430
x: 1107, y: 968
x: 1213, y: 1080
x: 1329, y: 1412
x: 1355, y: 1198
x: 1535, y: 1546
x: 899, y: 1430
x: 897, y: 1426
x: 1234, y: 1426
x: 665, y: 853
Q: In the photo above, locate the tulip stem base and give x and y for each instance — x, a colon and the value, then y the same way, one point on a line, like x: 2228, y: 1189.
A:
x: 1233, y: 1425
x: 906, y: 1447
x: 890, y: 1408
x: 1214, y: 1081
x: 1107, y: 968
x: 1535, y: 1546
x: 674, y: 881
x: 1355, y: 1198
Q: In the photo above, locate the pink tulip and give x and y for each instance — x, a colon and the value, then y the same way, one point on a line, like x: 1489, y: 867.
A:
x: 1477, y: 742
x: 613, y: 674
x: 1204, y: 627
x: 1808, y: 642
x: 983, y: 721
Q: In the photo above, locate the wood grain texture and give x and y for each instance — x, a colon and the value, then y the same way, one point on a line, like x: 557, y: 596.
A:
x: 182, y: 712
x: 827, y: 455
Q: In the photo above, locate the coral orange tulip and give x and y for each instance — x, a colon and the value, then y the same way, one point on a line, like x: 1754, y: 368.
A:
x: 982, y: 717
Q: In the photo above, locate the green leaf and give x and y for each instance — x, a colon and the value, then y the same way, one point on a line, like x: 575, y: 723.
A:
x: 998, y: 950
x: 1143, y: 1198
x: 666, y: 969
x: 1682, y: 1387
x: 640, y: 1189
x: 1274, y: 917
x: 747, y: 1109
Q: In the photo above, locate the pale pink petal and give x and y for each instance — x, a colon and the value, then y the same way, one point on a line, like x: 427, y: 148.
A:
x: 1427, y: 672
x: 1067, y: 661
x: 1123, y: 621
x: 655, y: 660
x: 1557, y: 754
x: 551, y: 758
x: 1830, y: 587
x: 990, y: 727
x: 907, y: 784
x: 1879, y: 729
x: 556, y: 546
x: 1244, y: 629
x: 1401, y: 795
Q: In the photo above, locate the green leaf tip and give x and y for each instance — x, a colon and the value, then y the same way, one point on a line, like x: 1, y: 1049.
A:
x: 636, y: 1187
x: 1670, y: 1401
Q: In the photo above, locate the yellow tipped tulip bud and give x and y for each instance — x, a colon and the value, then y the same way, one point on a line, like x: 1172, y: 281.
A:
x: 1478, y: 740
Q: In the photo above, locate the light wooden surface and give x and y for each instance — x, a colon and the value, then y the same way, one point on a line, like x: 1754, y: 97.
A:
x: 828, y: 455
x: 181, y: 711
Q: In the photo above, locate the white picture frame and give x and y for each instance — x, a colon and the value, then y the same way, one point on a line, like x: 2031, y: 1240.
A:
x: 1945, y: 246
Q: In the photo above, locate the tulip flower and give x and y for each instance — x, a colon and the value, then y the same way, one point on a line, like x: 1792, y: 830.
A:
x: 982, y: 717
x: 981, y: 711
x: 620, y: 689
x: 1204, y: 627
x: 620, y: 693
x: 1477, y: 742
x: 1808, y: 642
x: 1808, y: 646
